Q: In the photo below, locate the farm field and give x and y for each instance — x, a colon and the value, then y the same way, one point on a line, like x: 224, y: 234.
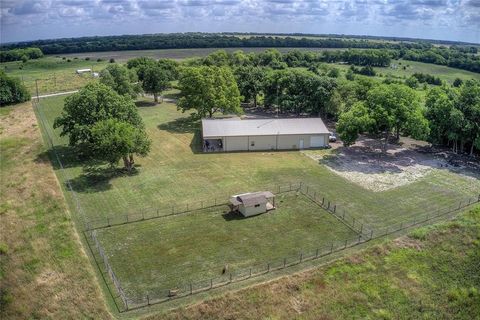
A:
x: 174, y: 251
x: 175, y: 172
x: 54, y: 74
x: 176, y: 54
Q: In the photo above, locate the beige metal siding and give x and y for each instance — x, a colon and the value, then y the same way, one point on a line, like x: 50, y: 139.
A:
x: 235, y: 143
x: 293, y: 142
x: 320, y: 141
x: 262, y: 143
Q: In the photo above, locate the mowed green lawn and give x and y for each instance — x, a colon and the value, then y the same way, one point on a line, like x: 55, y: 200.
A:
x: 170, y: 252
x: 176, y: 173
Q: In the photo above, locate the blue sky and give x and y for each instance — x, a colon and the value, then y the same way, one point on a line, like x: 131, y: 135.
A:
x: 46, y: 19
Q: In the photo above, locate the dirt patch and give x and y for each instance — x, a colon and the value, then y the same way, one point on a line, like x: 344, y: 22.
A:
x: 407, y: 242
x: 366, y: 165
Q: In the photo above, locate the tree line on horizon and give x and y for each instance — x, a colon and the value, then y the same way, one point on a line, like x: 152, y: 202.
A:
x: 456, y: 56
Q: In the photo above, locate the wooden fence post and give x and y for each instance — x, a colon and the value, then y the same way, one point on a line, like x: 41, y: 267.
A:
x: 191, y: 288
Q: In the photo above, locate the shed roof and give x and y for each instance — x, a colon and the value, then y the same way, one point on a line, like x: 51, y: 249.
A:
x: 262, y: 127
x: 252, y: 198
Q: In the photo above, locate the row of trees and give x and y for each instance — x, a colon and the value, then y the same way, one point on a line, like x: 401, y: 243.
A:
x: 12, y: 90
x: 201, y: 40
x: 20, y: 54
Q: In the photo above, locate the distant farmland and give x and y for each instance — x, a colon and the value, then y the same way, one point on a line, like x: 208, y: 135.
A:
x: 177, y: 54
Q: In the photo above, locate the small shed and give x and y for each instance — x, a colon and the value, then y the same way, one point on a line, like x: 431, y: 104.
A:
x: 253, y: 203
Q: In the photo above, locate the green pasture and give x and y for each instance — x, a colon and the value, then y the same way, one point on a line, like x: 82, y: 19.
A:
x: 158, y: 253
x: 176, y: 172
x: 54, y: 73
x: 168, y: 252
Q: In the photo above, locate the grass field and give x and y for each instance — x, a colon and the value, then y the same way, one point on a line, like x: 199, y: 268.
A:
x: 44, y: 271
x: 431, y: 274
x: 176, y: 172
x: 54, y: 74
x: 176, y: 54
x: 169, y: 252
x: 149, y: 254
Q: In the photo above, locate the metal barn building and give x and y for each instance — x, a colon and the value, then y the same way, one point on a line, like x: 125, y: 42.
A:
x: 235, y: 134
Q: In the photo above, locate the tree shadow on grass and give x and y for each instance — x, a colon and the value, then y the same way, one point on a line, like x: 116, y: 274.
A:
x: 97, y: 179
x: 181, y: 125
x: 145, y: 104
x: 95, y: 176
x: 185, y: 125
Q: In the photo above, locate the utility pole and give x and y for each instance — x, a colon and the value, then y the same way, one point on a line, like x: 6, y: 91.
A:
x: 36, y: 86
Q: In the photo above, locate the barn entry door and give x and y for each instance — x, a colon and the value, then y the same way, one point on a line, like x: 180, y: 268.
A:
x: 301, y: 143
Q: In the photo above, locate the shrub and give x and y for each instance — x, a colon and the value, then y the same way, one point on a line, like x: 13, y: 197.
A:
x: 87, y: 58
x: 12, y: 90
x: 112, y: 60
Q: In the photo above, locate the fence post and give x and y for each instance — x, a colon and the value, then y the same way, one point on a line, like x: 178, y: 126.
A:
x: 191, y: 288
x: 126, y: 216
x: 371, y: 234
x: 211, y: 283
x: 290, y: 186
x: 359, y: 237
x: 108, y: 221
x: 361, y: 228
x: 284, y: 262
x: 331, y: 248
x: 335, y: 208
x: 323, y: 201
x: 301, y: 256
x: 346, y: 241
x: 268, y: 267
x: 328, y: 205
x: 353, y: 224
x: 148, y: 300
x: 316, y: 253
x: 250, y: 273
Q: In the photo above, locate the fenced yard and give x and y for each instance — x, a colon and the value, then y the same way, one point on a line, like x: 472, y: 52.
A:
x: 177, y: 174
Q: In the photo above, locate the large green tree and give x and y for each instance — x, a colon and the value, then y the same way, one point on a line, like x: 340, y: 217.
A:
x: 389, y: 109
x: 208, y: 90
x: 250, y: 82
x: 113, y: 140
x: 94, y: 103
x: 298, y: 91
x: 155, y: 80
x: 121, y: 79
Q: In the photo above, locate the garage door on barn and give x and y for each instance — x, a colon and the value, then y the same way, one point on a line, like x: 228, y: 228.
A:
x: 317, y: 141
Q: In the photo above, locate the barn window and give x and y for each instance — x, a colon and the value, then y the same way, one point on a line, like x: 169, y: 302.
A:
x: 252, y: 144
x: 257, y: 205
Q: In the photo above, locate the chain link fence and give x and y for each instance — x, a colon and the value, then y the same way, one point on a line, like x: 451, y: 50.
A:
x: 133, y: 301
x: 364, y: 234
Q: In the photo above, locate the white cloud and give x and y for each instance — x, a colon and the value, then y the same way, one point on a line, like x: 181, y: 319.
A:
x: 29, y: 19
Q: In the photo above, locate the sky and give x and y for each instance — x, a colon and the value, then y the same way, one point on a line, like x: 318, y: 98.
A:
x: 23, y: 20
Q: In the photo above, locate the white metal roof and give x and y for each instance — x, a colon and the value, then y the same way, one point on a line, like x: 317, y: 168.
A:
x: 262, y: 127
